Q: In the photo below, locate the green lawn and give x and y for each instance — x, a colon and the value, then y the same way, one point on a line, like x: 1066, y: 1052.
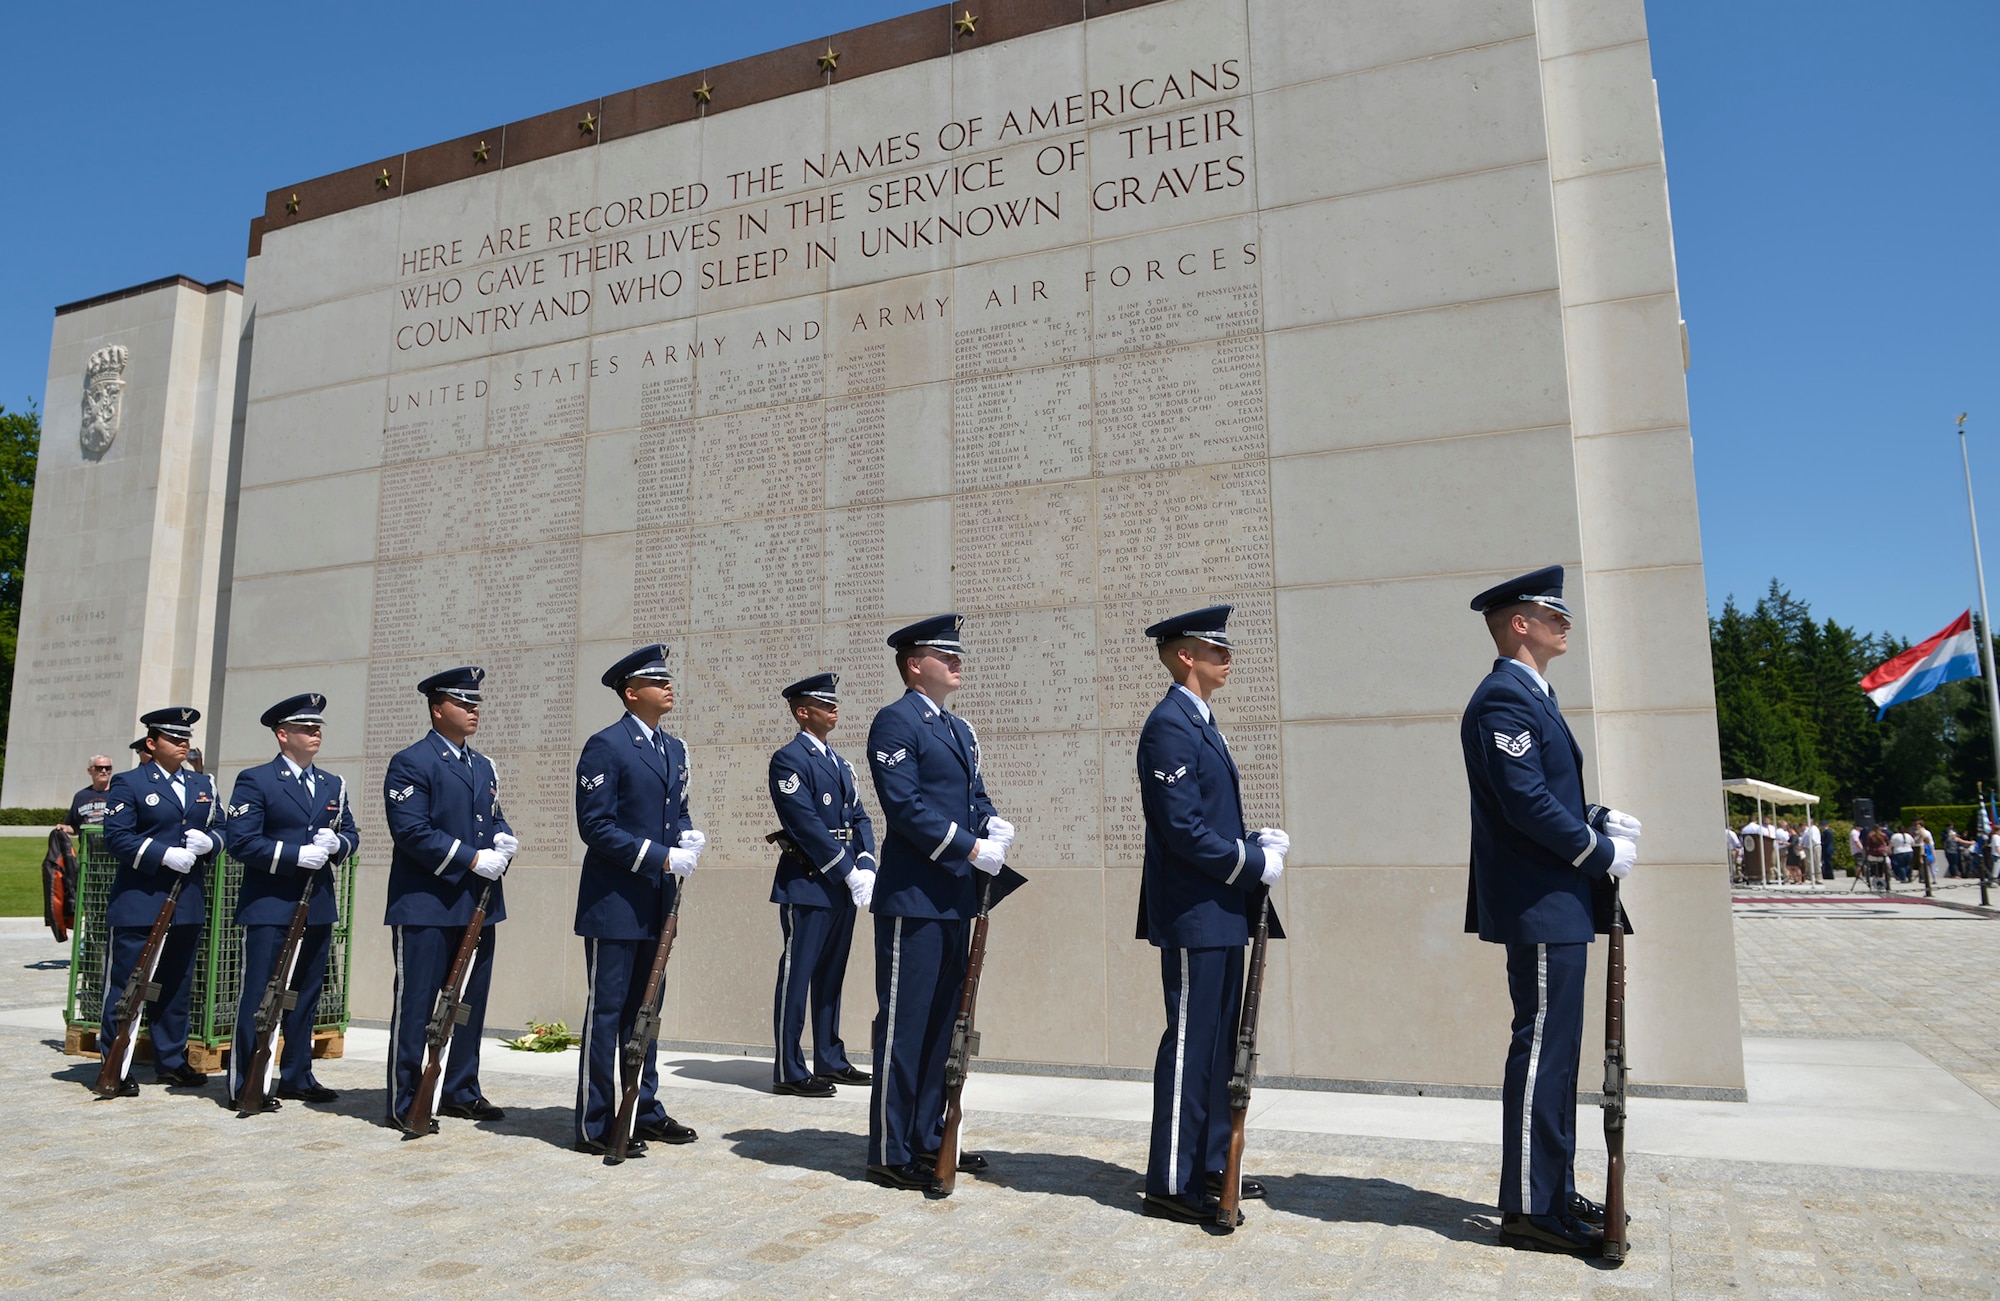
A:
x: 21, y: 875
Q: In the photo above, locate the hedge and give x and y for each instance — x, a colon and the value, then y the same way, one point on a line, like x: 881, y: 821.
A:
x: 32, y: 817
x: 1939, y: 816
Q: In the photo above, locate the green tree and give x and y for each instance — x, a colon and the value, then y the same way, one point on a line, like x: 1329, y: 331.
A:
x: 20, y: 443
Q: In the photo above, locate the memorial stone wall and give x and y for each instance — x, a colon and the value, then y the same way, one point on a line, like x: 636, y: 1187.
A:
x: 1333, y: 311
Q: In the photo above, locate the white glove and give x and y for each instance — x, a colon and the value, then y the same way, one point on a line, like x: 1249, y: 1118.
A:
x: 861, y: 884
x: 505, y: 845
x: 489, y: 863
x: 198, y: 841
x: 178, y: 860
x: 312, y: 858
x: 1274, y: 855
x: 681, y: 862
x: 326, y: 840
x: 694, y: 841
x: 1001, y: 830
x: 1624, y: 854
x: 989, y: 856
x: 1621, y: 825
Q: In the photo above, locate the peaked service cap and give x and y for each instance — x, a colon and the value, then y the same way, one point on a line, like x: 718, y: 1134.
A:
x: 178, y: 721
x: 940, y: 632
x: 297, y: 709
x: 649, y: 662
x: 1543, y: 587
x: 1209, y: 624
x: 820, y: 686
x: 460, y: 684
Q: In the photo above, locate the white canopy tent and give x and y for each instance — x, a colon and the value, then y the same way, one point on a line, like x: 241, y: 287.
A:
x: 1763, y: 792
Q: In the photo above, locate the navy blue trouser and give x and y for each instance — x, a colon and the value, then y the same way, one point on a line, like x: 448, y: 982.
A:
x: 814, y: 965
x: 919, y: 974
x: 423, y: 960
x: 1204, y: 989
x: 615, y: 972
x: 1538, y: 1101
x: 167, y: 1016
x: 261, y: 946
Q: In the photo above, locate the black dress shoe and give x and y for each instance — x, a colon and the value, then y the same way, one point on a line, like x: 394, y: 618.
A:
x: 969, y: 1163
x: 1179, y: 1208
x: 635, y: 1148
x: 399, y: 1123
x: 269, y: 1104
x: 1582, y: 1208
x: 911, y: 1174
x: 127, y: 1088
x: 477, y: 1109
x: 182, y: 1077
x: 668, y: 1130
x: 1558, y: 1233
x: 310, y: 1093
x: 812, y: 1086
x: 1250, y: 1189
x: 848, y: 1075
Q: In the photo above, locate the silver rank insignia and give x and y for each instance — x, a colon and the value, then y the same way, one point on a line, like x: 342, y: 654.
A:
x: 591, y: 783
x: 888, y: 760
x: 790, y: 785
x: 1513, y: 745
x: 1171, y: 777
x: 403, y: 794
x: 240, y: 811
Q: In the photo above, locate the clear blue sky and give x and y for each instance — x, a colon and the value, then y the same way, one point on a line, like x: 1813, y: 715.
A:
x: 1834, y: 167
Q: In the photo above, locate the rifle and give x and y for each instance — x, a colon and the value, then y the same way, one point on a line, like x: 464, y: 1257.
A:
x: 645, y: 1030
x: 279, y: 997
x: 139, y: 989
x: 1245, y: 1070
x: 1615, y: 1243
x: 451, y: 1012
x: 964, y: 1047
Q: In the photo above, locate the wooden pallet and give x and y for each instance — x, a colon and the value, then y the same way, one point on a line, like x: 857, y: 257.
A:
x: 81, y: 1041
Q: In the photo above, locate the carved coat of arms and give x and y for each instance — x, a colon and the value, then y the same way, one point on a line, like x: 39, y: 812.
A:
x: 103, y: 400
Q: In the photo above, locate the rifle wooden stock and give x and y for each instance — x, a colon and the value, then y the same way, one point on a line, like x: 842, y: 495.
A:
x: 139, y: 990
x: 1245, y: 1069
x: 964, y: 1046
x: 1615, y: 1240
x: 279, y: 998
x: 645, y: 1029
x: 447, y: 1015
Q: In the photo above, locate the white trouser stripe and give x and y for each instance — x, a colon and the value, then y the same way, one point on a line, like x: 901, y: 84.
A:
x: 239, y: 1072
x: 589, y: 1020
x: 1180, y: 1076
x: 1534, y: 1065
x: 395, y: 1016
x: 889, y: 1034
x: 790, y: 920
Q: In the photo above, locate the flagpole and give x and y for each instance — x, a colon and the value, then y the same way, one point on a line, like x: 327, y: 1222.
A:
x: 1985, y: 619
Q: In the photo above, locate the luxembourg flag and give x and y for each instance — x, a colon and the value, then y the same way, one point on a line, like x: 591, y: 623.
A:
x: 1922, y: 669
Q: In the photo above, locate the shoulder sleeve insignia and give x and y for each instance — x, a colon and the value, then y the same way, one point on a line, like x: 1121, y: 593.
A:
x: 1169, y: 778
x: 239, y: 811
x: 1513, y: 745
x: 590, y: 783
x: 403, y: 794
x: 790, y: 785
x: 888, y: 760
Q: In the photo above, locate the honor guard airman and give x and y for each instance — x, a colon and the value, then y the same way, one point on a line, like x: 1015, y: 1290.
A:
x: 450, y: 838
x: 289, y: 822
x: 162, y: 821
x: 1540, y: 862
x: 640, y: 844
x: 940, y: 831
x: 1205, y: 878
x: 826, y: 873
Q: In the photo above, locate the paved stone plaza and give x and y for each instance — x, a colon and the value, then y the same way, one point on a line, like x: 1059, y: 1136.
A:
x: 171, y: 1195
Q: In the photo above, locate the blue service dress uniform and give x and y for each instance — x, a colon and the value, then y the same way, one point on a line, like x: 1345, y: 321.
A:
x: 150, y: 812
x: 631, y: 808
x: 273, y: 813
x: 1538, y: 885
x: 442, y: 807
x: 818, y: 803
x: 1201, y: 889
x: 925, y: 764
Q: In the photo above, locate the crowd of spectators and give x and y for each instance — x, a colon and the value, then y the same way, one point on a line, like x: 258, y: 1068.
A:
x: 1762, y: 852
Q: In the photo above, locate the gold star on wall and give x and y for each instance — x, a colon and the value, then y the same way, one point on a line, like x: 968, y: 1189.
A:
x: 828, y: 60
x: 382, y: 181
x: 704, y: 92
x: 589, y: 124
x: 480, y: 154
x: 966, y: 24
x: 292, y: 204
